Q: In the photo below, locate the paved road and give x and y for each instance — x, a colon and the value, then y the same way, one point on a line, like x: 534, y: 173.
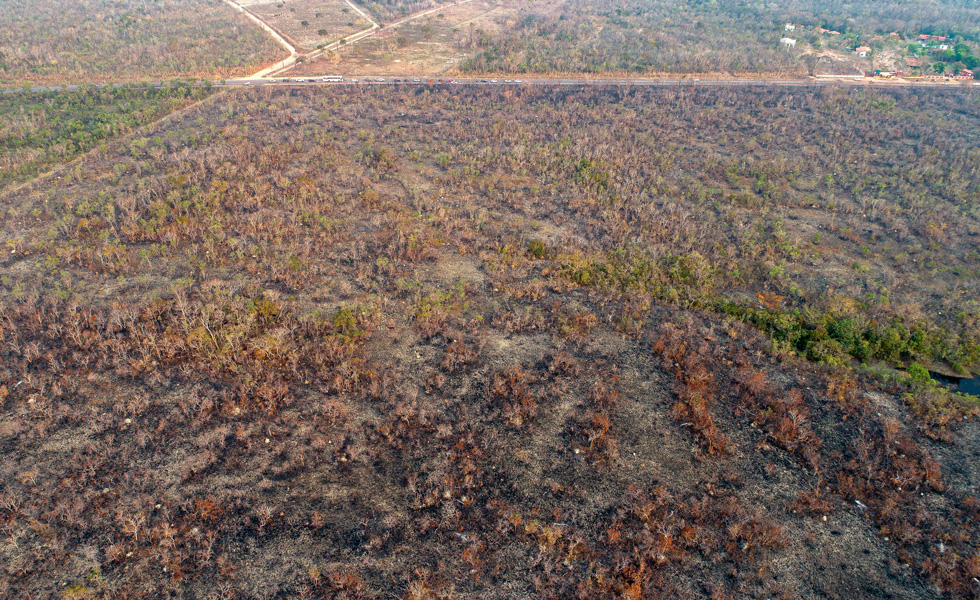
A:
x: 495, y: 82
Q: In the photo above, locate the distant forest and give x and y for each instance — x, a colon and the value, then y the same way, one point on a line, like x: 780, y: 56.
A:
x: 697, y: 36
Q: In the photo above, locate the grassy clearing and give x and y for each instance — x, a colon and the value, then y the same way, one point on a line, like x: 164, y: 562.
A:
x: 430, y: 45
x: 310, y: 23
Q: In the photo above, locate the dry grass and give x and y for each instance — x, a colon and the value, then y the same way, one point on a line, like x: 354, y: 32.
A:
x: 407, y: 342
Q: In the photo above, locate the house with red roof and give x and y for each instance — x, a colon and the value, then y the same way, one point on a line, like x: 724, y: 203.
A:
x: 925, y: 39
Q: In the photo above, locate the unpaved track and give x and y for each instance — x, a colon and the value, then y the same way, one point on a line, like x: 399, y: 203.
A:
x: 426, y: 12
x: 279, y: 66
x: 375, y: 27
x: 367, y: 17
x: 294, y: 56
x: 360, y: 35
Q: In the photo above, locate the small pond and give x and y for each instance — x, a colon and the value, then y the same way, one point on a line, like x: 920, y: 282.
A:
x: 965, y: 385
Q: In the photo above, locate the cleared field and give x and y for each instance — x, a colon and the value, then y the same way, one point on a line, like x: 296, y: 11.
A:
x: 429, y: 45
x: 90, y: 41
x: 310, y: 23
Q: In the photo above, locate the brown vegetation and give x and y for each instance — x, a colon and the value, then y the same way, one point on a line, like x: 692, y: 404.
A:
x: 58, y: 42
x: 430, y: 343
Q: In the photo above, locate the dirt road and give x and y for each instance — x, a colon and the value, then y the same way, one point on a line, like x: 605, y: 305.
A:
x: 375, y: 27
x: 279, y: 66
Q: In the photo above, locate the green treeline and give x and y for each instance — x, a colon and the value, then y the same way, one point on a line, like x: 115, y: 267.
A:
x: 818, y: 335
x: 39, y: 130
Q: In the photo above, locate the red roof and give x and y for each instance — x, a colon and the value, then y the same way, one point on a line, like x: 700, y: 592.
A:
x: 923, y: 36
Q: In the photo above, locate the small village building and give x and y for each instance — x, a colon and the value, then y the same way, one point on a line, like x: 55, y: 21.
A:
x: 790, y: 27
x: 863, y: 50
x: 789, y: 42
x: 925, y: 39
